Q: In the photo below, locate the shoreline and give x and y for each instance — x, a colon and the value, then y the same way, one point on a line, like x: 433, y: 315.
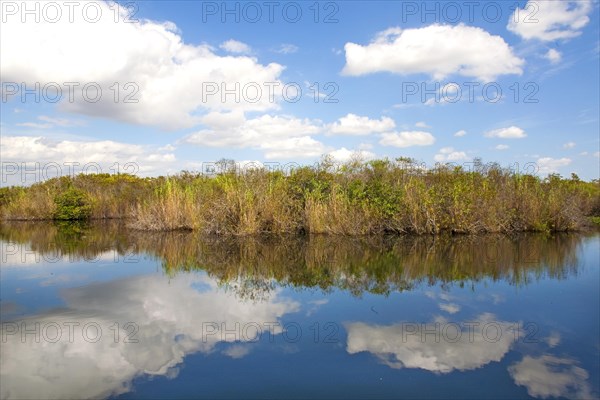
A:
x: 123, y: 223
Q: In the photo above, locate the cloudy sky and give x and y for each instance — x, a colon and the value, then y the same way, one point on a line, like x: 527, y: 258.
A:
x: 155, y: 87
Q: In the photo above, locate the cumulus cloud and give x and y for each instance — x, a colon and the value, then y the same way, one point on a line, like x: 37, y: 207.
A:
x: 236, y: 47
x: 166, y: 76
x: 293, y: 148
x: 449, y: 154
x: 92, y: 155
x: 237, y: 351
x: 422, y: 124
x: 167, y: 332
x: 549, y: 376
x: 460, y: 133
x: 553, y: 340
x: 395, y: 347
x: 512, y: 132
x: 436, y: 50
x: 550, y: 20
x: 344, y: 155
x: 353, y: 124
x: 407, y: 139
x: 554, y: 56
x: 502, y: 147
x: 277, y: 136
x: 569, y: 145
x: 547, y: 165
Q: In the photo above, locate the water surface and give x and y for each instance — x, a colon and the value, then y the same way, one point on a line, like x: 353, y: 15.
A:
x: 101, y: 311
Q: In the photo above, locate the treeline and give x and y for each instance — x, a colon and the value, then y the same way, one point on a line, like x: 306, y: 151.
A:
x: 357, y: 198
x: 252, y: 266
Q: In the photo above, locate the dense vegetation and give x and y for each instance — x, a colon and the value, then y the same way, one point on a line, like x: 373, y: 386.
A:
x: 357, y: 198
x: 251, y: 266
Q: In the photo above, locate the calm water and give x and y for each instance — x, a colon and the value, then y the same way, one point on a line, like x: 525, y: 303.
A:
x: 99, y: 311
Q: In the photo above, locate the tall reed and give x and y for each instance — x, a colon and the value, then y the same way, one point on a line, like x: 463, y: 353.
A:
x: 376, y: 197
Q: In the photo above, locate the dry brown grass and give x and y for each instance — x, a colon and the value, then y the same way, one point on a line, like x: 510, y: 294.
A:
x: 377, y: 197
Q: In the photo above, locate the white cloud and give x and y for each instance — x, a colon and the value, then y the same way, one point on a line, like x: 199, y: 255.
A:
x: 498, y: 298
x: 170, y: 76
x: 512, y: 132
x: 38, y: 148
x: 449, y: 154
x: 237, y: 351
x: 437, y: 50
x: 167, y: 147
x: 236, y: 47
x: 395, y: 347
x: 553, y: 340
x: 445, y: 296
x: 460, y: 133
x: 278, y: 136
x: 353, y: 124
x: 62, y: 122
x: 569, y: 145
x: 422, y: 124
x: 547, y: 165
x: 550, y: 20
x: 344, y: 155
x: 34, y: 125
x: 287, y: 48
x: 51, y: 122
x: 554, y: 56
x: 297, y: 147
x: 407, y: 139
x: 549, y: 376
x: 314, y: 306
x: 90, y: 154
x: 450, y: 308
x: 166, y: 332
x: 597, y: 154
x: 502, y: 147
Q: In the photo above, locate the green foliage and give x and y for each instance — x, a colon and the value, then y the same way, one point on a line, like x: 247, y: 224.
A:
x: 72, y: 204
x: 379, y: 196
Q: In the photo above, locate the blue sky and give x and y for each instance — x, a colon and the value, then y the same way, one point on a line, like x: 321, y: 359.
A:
x: 377, y: 79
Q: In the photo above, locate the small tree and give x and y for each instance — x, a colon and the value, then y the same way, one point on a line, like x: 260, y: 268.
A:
x: 73, y: 204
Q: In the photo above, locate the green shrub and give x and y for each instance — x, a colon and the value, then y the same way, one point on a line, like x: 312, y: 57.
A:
x: 73, y: 204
